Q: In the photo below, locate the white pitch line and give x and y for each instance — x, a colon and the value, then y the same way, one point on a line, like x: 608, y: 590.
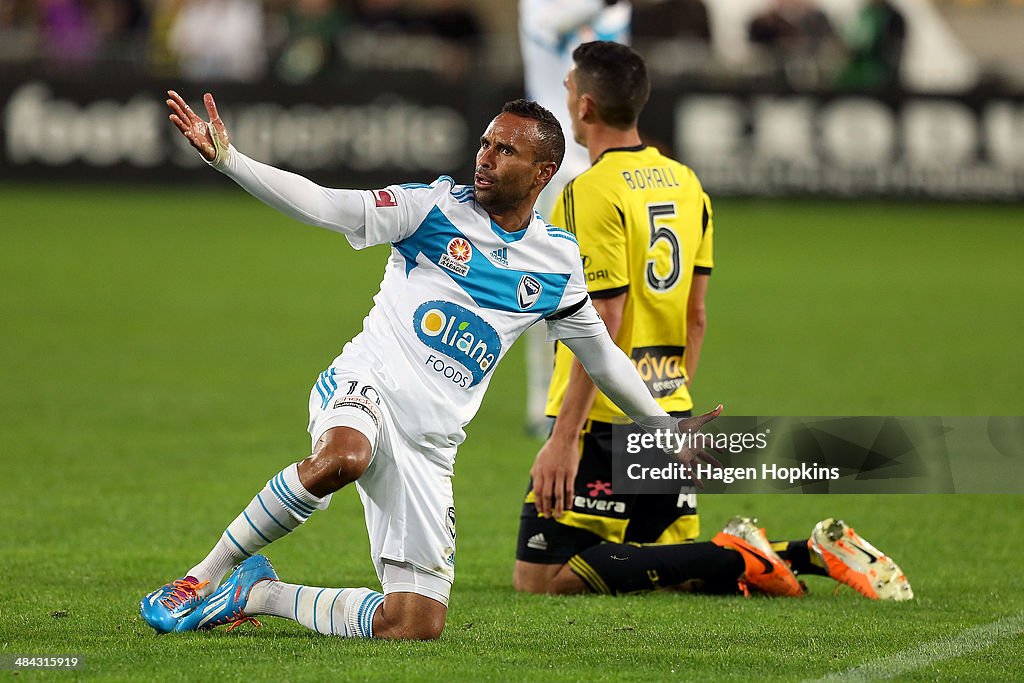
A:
x: 963, y: 643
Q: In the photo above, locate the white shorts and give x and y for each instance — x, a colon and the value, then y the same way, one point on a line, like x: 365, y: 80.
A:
x: 407, y: 499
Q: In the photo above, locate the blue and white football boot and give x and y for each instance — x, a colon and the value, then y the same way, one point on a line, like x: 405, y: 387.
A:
x: 166, y: 606
x: 226, y: 605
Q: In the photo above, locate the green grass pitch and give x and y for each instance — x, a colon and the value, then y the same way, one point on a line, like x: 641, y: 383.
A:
x: 158, y: 350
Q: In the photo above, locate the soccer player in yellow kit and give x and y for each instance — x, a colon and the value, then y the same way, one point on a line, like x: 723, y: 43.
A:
x: 645, y: 229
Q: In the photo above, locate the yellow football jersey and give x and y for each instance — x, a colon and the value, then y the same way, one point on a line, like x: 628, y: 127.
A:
x: 644, y: 227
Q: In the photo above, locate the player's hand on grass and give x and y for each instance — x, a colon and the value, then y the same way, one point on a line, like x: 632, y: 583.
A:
x: 211, y: 139
x: 554, y: 476
x: 690, y: 455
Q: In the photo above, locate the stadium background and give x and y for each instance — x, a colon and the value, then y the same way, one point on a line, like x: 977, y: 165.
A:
x: 161, y: 329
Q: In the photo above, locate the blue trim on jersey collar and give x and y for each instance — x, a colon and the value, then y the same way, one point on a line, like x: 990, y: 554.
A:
x: 563, y: 234
x: 509, y: 237
x: 488, y: 285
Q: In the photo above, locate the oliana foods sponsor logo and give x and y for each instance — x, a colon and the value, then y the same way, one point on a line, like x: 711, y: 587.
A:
x: 460, y: 335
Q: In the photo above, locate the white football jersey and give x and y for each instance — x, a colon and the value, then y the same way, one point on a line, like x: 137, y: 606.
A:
x: 549, y: 30
x: 457, y: 292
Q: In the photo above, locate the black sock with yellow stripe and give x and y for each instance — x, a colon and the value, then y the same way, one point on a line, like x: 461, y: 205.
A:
x: 800, y: 558
x: 617, y: 568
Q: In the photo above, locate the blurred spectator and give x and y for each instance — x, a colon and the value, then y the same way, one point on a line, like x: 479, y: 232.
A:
x: 385, y: 16
x: 18, y: 35
x: 440, y: 39
x: 801, y: 40
x: 69, y: 34
x: 382, y: 38
x: 73, y: 32
x: 672, y: 20
x: 219, y: 40
x: 162, y: 57
x: 121, y: 28
x: 461, y: 36
x: 876, y: 48
x: 673, y: 35
x: 311, y: 31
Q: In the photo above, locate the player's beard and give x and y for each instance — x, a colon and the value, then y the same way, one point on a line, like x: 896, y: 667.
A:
x: 500, y: 198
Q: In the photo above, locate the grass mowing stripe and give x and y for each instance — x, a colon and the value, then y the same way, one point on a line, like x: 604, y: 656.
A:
x: 965, y: 642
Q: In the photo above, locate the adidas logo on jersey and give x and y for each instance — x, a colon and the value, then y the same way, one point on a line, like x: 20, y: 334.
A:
x: 500, y: 256
x: 537, y: 542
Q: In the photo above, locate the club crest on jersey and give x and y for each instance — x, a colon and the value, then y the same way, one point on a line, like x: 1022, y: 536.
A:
x: 456, y: 256
x: 528, y: 291
x: 460, y: 334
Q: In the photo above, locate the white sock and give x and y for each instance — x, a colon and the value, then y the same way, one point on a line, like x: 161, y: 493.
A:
x: 344, y: 612
x: 277, y: 510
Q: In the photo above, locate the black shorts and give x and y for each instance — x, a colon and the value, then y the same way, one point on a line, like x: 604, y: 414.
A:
x: 598, y: 514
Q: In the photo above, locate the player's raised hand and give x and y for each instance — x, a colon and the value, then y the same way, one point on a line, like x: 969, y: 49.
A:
x: 554, y: 477
x: 209, y: 138
x: 690, y: 454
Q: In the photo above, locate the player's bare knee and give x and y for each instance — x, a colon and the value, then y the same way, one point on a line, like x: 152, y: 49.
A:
x: 566, y: 587
x: 545, y: 579
x: 420, y: 627
x: 526, y: 582
x: 551, y: 587
x: 409, y: 616
x: 566, y: 582
x: 429, y: 630
x: 533, y: 589
x: 341, y: 456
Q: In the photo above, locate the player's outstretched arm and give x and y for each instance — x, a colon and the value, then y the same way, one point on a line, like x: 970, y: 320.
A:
x: 614, y: 374
x: 292, y: 194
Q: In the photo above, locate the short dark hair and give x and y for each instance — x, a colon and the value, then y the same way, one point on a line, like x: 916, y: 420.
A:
x: 615, y: 76
x: 551, y: 145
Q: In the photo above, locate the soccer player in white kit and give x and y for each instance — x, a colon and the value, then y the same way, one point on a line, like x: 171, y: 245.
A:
x: 471, y: 268
x: 549, y: 30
